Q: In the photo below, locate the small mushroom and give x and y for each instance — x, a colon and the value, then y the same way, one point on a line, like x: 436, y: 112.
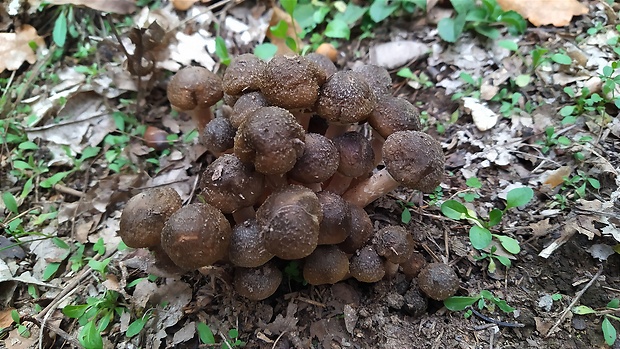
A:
x: 357, y: 158
x: 246, y: 105
x: 336, y: 223
x: 145, y: 214
x: 196, y: 235
x: 345, y: 98
x: 289, y: 220
x: 412, y: 159
x: 360, y: 232
x: 243, y: 74
x: 291, y: 82
x: 378, y: 78
x: 257, y: 283
x: 394, y: 243
x: 366, y: 265
x: 195, y: 90
x: 218, y: 135
x: 412, y: 266
x: 270, y: 138
x: 156, y: 138
x: 319, y: 161
x: 323, y: 62
x: 438, y: 281
x: 247, y: 245
x: 326, y: 265
x: 394, y: 114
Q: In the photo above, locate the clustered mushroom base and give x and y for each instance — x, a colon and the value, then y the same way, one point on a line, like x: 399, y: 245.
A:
x: 294, y: 171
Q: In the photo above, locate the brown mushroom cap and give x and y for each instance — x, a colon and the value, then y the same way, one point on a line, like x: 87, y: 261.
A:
x: 356, y: 155
x: 361, y: 230
x: 246, y: 105
x: 291, y: 82
x: 272, y: 139
x: 438, y: 281
x: 196, y: 235
x: 243, y: 74
x: 229, y: 184
x: 345, y: 98
x: 257, y: 283
x: 194, y: 87
x: 366, y: 265
x: 394, y: 243
x: 319, y: 161
x: 247, y: 245
x: 377, y: 78
x: 394, y: 114
x: 336, y: 223
x: 219, y: 135
x: 323, y: 62
x: 289, y: 220
x: 145, y: 214
x: 326, y: 265
x: 412, y: 266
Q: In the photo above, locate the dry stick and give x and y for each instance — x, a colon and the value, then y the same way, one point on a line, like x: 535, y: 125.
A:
x: 497, y: 322
x: 69, y: 191
x: 575, y: 300
x: 277, y: 339
x: 55, y: 328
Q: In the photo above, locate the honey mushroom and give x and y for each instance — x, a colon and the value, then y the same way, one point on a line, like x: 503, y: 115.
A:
x: 257, y: 283
x: 326, y: 265
x: 319, y: 161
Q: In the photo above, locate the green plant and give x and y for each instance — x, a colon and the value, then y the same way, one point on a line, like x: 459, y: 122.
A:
x: 484, y: 300
x: 206, y: 337
x: 609, y: 330
x: 21, y: 328
x: 415, y: 80
x: 580, y: 183
x: 471, y: 88
x: 482, y: 19
x: 479, y: 234
x: 470, y: 194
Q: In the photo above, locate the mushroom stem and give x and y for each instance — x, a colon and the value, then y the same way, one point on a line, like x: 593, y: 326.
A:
x: 391, y: 269
x: 243, y: 214
x: 339, y: 183
x: 201, y: 117
x: 377, y: 146
x: 303, y: 118
x: 335, y: 130
x: 371, y: 189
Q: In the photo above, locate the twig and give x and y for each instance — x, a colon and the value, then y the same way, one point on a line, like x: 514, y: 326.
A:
x: 55, y: 328
x: 497, y: 322
x: 70, y: 191
x: 277, y: 339
x: 572, y: 304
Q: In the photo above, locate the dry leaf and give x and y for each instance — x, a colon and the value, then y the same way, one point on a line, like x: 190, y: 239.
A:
x: 5, y: 317
x: 117, y: 6
x: 277, y: 16
x: 15, y: 47
x: 183, y: 5
x: 541, y: 228
x: 553, y: 178
x: 542, y: 12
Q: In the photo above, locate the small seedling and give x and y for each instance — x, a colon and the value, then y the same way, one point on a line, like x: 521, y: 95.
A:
x: 479, y: 234
x: 470, y: 194
x: 609, y: 330
x: 484, y: 300
x: 206, y: 337
x: 416, y: 81
x: 21, y: 328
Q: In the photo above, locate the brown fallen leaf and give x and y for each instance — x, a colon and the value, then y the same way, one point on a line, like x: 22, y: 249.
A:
x: 5, y: 317
x: 15, y: 47
x: 183, y: 5
x: 542, y: 12
x: 556, y: 177
x: 122, y: 7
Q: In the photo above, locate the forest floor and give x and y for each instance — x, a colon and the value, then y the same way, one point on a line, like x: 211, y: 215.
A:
x: 507, y: 116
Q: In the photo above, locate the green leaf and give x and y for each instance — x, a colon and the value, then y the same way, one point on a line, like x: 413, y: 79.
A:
x: 568, y: 110
x: 90, y: 337
x: 50, y: 270
x: 205, y: 333
x: 451, y: 28
x: 9, y: 202
x: 59, y: 33
x: 515, y: 22
x: 280, y: 29
x: 289, y: 6
x: 291, y: 43
x: 454, y: 209
x: 352, y: 14
x: 479, y: 237
x: 457, y: 303
x: 60, y: 243
x: 405, y: 73
x: 15, y: 316
x: 504, y: 260
x: 509, y: 244
x: 99, y: 247
x: 473, y: 182
x: 405, y: 216
x: 54, y: 179
x: 519, y: 197
x: 556, y: 296
x: 75, y: 311
x: 265, y: 51
x: 561, y: 58
x: 233, y: 333
x: 504, y: 306
x: 28, y: 145
x: 380, y: 10
x: 463, y: 6
x: 495, y: 216
x: 594, y: 183
x: 614, y: 303
x: 583, y: 310
x: 136, y: 327
x: 99, y: 265
x: 609, y: 332
x: 487, y: 30
x: 337, y: 28
x: 523, y: 80
x: 509, y: 45
x: 221, y: 50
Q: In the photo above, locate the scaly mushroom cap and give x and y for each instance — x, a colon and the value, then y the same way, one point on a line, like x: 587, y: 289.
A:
x: 394, y: 114
x: 243, y: 74
x: 289, y: 220
x: 326, y: 265
x: 438, y: 281
x: 229, y: 184
x: 361, y: 230
x: 194, y: 87
x: 219, y: 135
x: 414, y: 159
x: 378, y: 78
x: 246, y: 105
x: 356, y: 155
x: 196, y: 235
x: 345, y: 98
x: 366, y: 265
x: 291, y: 82
x: 145, y: 214
x: 336, y: 223
x: 394, y: 243
x: 412, y: 266
x: 257, y: 283
x: 247, y: 245
x: 272, y: 139
x: 323, y: 62
x: 319, y: 161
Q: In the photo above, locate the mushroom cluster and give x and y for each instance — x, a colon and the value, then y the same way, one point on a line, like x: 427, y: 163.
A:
x: 304, y: 150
